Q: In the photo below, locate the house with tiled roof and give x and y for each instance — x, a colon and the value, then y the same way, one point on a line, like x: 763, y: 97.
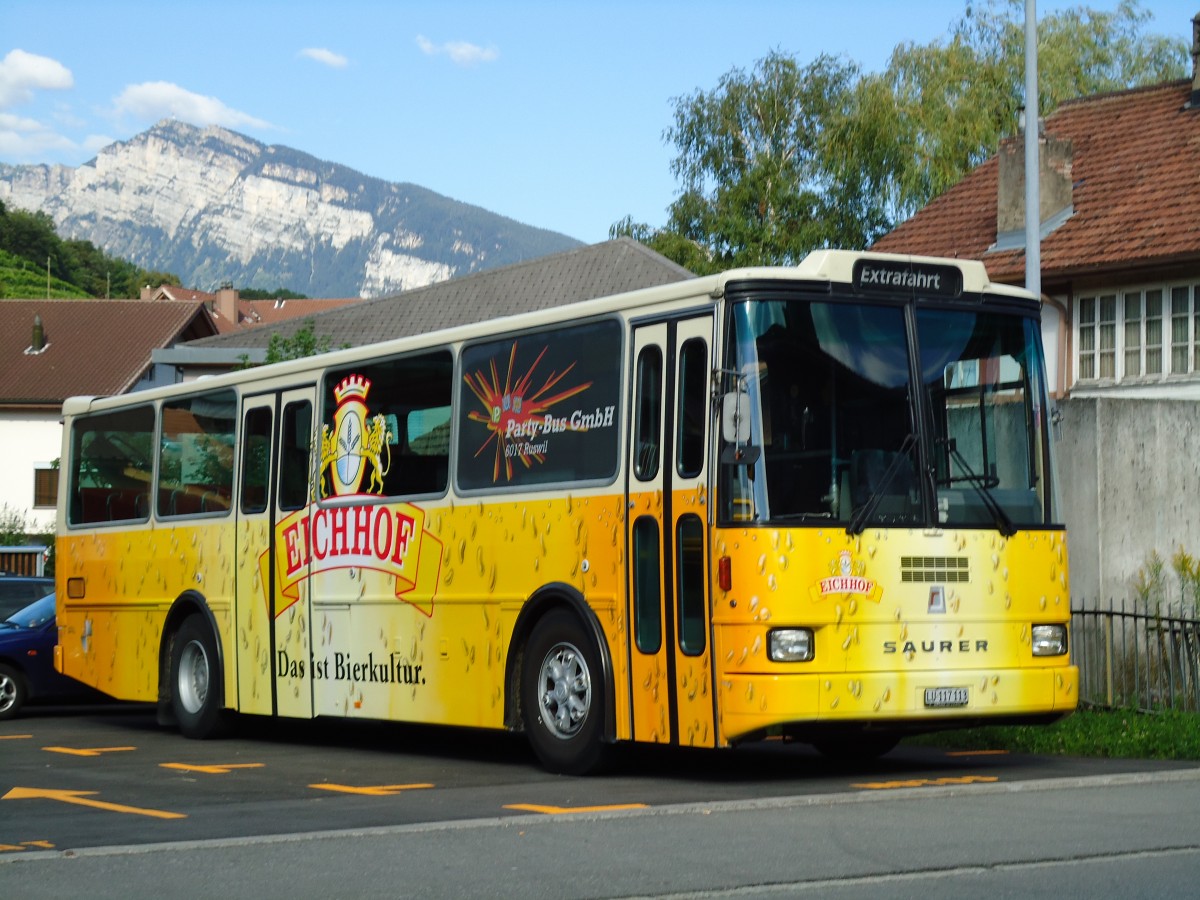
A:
x: 54, y: 349
x: 1119, y: 176
x: 231, y: 312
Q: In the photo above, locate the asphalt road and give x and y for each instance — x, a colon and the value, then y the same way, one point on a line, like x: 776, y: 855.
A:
x: 102, y: 801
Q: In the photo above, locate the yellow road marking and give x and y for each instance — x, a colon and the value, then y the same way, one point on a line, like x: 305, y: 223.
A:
x: 564, y: 810
x: 378, y: 790
x: 87, y: 751
x: 15, y: 737
x: 221, y: 769
x: 925, y: 782
x: 977, y: 753
x: 25, y: 845
x: 80, y: 798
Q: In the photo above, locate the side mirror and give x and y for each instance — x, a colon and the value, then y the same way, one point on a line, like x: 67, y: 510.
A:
x: 735, y: 429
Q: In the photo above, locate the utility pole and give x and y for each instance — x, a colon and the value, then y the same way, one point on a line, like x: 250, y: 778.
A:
x: 1033, y: 205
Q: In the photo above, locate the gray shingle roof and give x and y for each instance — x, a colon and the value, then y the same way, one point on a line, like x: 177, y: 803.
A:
x: 598, y: 270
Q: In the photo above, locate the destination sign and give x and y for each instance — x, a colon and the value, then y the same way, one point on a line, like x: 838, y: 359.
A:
x: 890, y: 276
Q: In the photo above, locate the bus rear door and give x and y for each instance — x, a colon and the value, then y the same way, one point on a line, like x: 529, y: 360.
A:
x: 274, y: 607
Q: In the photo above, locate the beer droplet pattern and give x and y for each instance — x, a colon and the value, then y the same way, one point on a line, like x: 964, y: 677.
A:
x: 876, y: 654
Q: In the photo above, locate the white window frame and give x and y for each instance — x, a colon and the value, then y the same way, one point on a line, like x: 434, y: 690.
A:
x: 1116, y: 343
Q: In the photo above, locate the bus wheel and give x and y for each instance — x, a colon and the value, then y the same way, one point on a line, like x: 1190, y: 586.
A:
x: 195, y: 680
x: 13, y: 692
x: 562, y: 696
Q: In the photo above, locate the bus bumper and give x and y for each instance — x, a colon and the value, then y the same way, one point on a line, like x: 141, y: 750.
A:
x: 754, y: 705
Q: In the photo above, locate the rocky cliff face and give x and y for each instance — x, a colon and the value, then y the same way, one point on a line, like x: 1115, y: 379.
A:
x: 214, y: 206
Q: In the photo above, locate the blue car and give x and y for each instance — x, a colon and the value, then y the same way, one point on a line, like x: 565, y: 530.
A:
x: 27, y: 640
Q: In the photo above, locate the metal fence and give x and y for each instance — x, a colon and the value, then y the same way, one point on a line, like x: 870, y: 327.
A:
x: 1137, y: 656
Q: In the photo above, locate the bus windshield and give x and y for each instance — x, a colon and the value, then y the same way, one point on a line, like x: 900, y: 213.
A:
x: 828, y: 388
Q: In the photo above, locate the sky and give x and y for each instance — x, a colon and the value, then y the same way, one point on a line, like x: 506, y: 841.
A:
x: 550, y: 113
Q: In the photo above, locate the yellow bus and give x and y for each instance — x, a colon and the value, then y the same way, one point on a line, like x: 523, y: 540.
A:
x: 813, y: 502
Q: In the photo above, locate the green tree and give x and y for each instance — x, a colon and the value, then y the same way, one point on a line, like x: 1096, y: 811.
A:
x: 953, y: 101
x: 787, y: 158
x: 303, y: 342
x: 755, y: 187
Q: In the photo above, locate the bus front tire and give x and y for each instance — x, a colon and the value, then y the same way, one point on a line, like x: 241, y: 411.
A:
x: 563, y: 696
x: 196, y: 681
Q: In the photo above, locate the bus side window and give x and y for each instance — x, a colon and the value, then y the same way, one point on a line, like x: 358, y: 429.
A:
x: 256, y: 460
x: 114, y: 458
x: 411, y: 396
x: 295, y: 455
x: 195, y: 473
x: 692, y: 408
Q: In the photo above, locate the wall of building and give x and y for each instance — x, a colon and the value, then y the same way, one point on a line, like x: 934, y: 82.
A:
x: 1130, y: 479
x: 31, y: 439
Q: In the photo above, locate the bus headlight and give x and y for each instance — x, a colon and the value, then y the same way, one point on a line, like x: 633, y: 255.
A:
x: 790, y: 644
x: 1049, y: 640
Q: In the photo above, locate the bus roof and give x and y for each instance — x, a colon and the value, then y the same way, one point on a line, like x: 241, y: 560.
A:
x: 837, y: 266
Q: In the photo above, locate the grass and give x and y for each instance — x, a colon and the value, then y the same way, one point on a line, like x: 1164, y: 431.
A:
x: 1124, y: 734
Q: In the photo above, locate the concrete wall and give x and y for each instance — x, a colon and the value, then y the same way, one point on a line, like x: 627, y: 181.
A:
x: 1129, y: 473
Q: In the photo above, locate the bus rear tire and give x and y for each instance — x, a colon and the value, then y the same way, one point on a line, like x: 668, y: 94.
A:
x: 562, y: 696
x: 196, y: 681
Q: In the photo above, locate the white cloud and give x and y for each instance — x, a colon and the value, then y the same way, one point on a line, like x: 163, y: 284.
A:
x: 325, y: 57
x: 23, y: 73
x: 461, y: 53
x: 26, y: 140
x: 154, y: 100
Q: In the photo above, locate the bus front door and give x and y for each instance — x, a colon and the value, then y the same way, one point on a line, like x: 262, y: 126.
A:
x: 274, y: 606
x: 670, y: 654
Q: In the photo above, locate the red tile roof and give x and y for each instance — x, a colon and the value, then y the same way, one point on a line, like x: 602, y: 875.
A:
x: 1136, y: 175
x: 250, y: 313
x: 91, y: 346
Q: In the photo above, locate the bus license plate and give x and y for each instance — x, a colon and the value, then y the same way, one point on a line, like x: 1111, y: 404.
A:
x: 946, y: 696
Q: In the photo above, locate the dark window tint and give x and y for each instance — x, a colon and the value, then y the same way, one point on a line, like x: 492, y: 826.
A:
x: 541, y: 408
x: 195, y: 473
x: 647, y: 581
x: 256, y: 459
x: 648, y: 413
x: 295, y: 455
x: 692, y: 407
x: 386, y: 427
x: 689, y: 536
x: 112, y: 463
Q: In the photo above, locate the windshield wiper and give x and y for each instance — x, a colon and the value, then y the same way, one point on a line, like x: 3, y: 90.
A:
x: 859, y: 520
x: 1003, y: 522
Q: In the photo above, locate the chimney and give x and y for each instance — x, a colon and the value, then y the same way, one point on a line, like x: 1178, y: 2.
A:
x: 1054, y: 186
x: 1194, y: 102
x: 227, y: 303
x: 38, y: 343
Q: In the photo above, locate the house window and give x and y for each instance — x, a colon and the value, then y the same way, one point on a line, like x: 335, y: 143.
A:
x: 1138, y: 334
x: 1154, y: 331
x: 45, y: 487
x: 1180, y: 323
x: 1133, y: 333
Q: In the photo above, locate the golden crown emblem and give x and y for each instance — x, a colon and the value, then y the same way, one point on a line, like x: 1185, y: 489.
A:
x: 352, y: 387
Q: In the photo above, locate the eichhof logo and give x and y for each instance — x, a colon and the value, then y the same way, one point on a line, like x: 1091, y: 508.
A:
x: 365, y: 536
x: 847, y: 576
x: 355, y: 443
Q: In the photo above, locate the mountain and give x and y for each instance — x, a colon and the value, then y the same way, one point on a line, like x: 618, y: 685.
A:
x: 214, y: 206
